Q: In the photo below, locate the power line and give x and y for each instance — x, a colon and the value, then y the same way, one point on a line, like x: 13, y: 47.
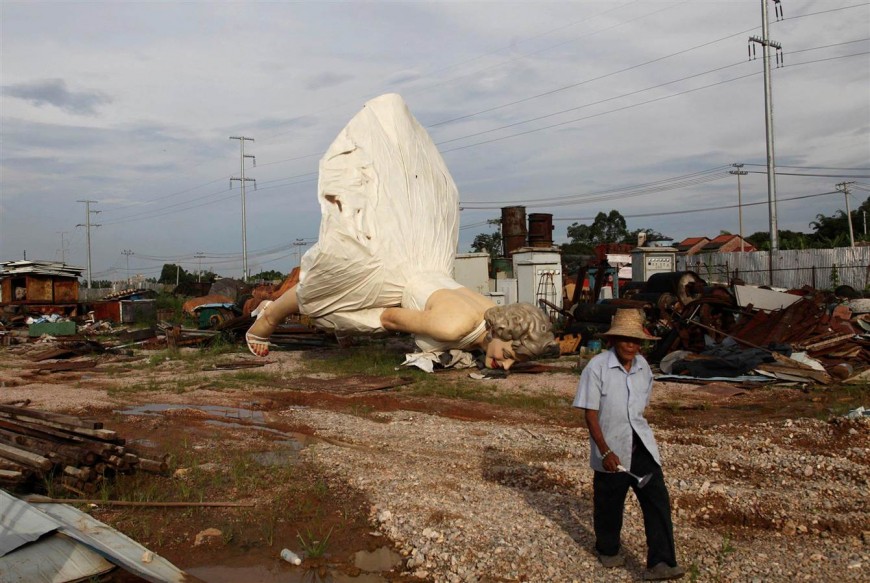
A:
x: 645, y: 188
x: 702, y: 210
x: 662, y: 98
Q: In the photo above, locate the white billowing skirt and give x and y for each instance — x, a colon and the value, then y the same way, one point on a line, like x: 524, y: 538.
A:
x: 389, y: 226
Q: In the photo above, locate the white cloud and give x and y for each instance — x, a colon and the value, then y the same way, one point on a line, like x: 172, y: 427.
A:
x: 132, y: 104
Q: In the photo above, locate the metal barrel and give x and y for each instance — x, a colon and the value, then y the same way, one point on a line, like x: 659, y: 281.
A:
x: 540, y: 230
x: 513, y: 228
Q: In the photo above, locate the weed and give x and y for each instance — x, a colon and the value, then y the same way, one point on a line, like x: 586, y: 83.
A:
x: 228, y: 534
x: 314, y: 548
x: 694, y: 572
x: 269, y: 528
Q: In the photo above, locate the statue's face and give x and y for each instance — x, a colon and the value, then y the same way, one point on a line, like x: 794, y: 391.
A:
x: 500, y: 354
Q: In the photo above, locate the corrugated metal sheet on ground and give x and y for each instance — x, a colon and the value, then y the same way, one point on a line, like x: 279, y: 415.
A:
x: 54, y: 559
x: 117, y: 547
x: 20, y: 523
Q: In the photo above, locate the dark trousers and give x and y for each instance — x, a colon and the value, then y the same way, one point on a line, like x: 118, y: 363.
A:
x: 609, y: 491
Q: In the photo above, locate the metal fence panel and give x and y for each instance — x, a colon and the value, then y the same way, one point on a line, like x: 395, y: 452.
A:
x: 794, y: 268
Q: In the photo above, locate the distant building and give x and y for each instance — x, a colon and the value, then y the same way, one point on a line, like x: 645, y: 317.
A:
x: 727, y: 244
x: 691, y: 245
x: 45, y: 287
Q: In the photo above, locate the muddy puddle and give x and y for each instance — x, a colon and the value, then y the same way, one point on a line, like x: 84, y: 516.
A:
x: 237, y: 413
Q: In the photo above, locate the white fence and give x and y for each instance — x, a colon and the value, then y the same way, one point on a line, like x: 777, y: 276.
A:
x: 819, y: 268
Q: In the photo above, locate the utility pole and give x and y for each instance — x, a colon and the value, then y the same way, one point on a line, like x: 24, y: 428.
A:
x: 844, y: 186
x: 199, y: 255
x: 127, y: 253
x: 243, y: 180
x: 88, y: 226
x: 62, y: 247
x: 739, y: 173
x: 299, y: 243
x: 766, y: 43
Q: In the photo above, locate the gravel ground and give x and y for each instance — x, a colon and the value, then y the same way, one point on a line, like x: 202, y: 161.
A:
x: 484, y: 501
x: 508, y: 498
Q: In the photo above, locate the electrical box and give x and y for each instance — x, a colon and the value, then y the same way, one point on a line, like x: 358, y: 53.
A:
x: 647, y: 261
x: 472, y: 271
x: 539, y: 276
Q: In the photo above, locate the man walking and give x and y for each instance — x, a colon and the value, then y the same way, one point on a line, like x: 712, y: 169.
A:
x: 614, y: 390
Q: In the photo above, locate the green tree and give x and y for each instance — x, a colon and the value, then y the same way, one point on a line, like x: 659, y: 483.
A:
x: 787, y: 240
x: 651, y: 236
x: 271, y: 275
x: 606, y: 228
x: 833, y: 230
x: 490, y: 243
x: 172, y: 273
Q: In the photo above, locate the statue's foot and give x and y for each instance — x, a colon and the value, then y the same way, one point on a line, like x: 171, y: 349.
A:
x: 257, y: 344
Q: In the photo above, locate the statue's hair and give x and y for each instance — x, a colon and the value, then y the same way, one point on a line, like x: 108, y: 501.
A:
x: 526, y: 327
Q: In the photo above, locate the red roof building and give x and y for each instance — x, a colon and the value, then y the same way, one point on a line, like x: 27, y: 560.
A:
x: 691, y: 245
x: 727, y: 244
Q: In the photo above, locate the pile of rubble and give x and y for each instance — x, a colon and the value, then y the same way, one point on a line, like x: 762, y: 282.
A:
x: 800, y: 335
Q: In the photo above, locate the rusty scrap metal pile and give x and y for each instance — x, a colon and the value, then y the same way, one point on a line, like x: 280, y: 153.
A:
x: 806, y: 334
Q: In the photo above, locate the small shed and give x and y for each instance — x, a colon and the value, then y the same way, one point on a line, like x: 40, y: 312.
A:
x: 40, y: 286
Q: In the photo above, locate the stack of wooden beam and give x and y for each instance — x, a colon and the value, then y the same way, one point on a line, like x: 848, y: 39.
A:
x: 40, y: 446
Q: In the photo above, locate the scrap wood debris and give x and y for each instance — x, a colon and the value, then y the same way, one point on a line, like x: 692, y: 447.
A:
x: 36, y: 446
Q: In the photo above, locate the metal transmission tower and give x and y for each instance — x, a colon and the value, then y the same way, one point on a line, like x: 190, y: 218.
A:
x: 739, y: 173
x: 243, y: 180
x: 127, y: 253
x: 88, y: 226
x: 844, y: 186
x: 766, y: 43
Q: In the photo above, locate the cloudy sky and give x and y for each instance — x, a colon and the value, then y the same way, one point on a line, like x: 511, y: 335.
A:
x: 568, y: 108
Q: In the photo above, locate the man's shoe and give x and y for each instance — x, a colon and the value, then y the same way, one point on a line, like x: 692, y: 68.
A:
x: 663, y: 572
x: 611, y: 561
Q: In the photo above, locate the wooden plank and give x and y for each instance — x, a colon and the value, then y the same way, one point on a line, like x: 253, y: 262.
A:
x: 98, y: 434
x: 49, y: 416
x: 25, y: 457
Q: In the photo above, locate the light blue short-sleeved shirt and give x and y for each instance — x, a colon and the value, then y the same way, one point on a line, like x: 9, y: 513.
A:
x: 620, y: 398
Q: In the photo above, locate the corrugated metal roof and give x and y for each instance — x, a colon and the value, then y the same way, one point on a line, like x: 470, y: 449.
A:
x: 24, y: 267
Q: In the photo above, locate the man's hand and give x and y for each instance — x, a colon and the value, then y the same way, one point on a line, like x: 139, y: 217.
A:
x: 611, y: 463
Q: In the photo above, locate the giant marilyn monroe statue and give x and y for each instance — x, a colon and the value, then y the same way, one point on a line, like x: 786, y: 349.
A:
x: 384, y: 257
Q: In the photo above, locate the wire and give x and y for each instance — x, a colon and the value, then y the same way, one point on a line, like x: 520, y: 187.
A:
x: 818, y: 175
x: 662, y: 98
x: 707, y: 209
x: 655, y: 186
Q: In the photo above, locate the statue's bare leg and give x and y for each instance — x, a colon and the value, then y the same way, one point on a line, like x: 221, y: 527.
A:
x: 270, y: 316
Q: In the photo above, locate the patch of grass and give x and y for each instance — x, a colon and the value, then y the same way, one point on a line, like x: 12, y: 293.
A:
x: 370, y: 359
x: 314, y: 548
x: 694, y: 572
x: 246, y: 379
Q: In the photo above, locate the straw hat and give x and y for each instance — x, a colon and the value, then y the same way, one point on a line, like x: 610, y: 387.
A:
x: 629, y: 324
